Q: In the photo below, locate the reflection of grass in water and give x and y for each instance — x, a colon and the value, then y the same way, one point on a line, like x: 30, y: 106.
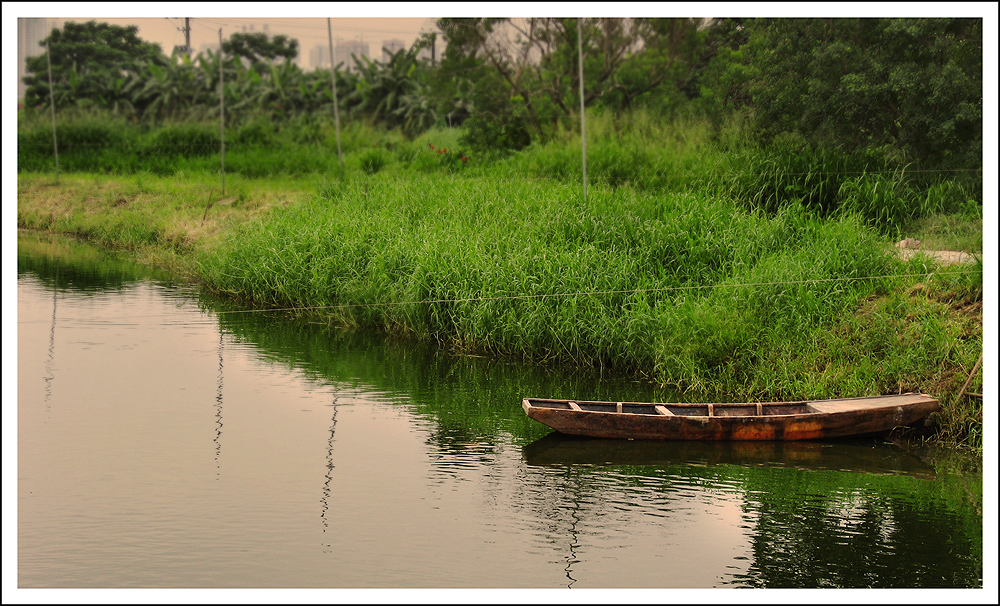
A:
x: 80, y: 265
x: 805, y: 528
x: 470, y: 399
x: 932, y: 526
x: 474, y: 405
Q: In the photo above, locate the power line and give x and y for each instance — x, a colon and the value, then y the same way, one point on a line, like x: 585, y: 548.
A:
x: 588, y: 293
x: 549, y: 295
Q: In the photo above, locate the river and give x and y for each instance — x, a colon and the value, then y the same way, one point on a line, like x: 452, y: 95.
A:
x: 166, y: 439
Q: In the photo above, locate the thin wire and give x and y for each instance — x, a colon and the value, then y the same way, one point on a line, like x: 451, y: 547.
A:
x: 539, y: 296
x: 584, y: 293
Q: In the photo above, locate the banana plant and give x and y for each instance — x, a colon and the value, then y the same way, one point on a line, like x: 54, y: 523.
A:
x: 170, y: 89
x: 382, y: 86
x: 416, y: 112
x: 277, y: 92
x: 460, y: 107
x: 70, y: 93
x: 118, y: 96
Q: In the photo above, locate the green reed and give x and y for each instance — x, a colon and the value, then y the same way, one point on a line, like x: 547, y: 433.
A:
x: 676, y: 285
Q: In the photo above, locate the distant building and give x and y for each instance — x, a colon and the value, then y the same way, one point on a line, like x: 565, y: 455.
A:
x: 391, y: 47
x: 319, y: 55
x: 427, y: 53
x: 30, y: 32
x: 251, y: 28
x: 347, y: 48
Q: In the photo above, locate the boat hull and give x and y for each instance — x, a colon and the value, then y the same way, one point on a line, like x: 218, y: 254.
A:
x: 780, y: 421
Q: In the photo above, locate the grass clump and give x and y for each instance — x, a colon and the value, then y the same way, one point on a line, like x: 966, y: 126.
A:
x: 679, y: 285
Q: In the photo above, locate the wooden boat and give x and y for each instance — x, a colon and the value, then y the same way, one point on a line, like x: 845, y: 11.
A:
x: 805, y: 420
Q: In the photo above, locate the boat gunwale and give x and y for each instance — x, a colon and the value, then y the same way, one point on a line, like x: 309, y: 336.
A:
x: 806, y: 420
x: 709, y: 405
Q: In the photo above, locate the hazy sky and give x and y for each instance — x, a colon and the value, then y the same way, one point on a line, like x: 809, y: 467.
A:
x: 310, y: 31
x: 372, y: 21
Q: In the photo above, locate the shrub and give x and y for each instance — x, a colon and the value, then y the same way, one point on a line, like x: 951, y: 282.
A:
x: 373, y: 160
x: 184, y: 140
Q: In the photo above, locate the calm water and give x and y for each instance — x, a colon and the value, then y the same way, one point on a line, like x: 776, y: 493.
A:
x: 166, y: 441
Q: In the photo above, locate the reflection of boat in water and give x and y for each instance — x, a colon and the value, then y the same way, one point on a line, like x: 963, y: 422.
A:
x: 806, y: 420
x: 866, y: 456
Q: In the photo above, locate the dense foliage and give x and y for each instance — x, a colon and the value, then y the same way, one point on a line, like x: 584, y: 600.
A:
x: 92, y: 63
x: 915, y: 85
x: 907, y: 89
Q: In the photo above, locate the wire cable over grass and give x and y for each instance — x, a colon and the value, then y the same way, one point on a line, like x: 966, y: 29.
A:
x: 587, y: 293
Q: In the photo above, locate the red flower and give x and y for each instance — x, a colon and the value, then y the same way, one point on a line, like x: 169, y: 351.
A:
x: 432, y: 146
x: 464, y: 159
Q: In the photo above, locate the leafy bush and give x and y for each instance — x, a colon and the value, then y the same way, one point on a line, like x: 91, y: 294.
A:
x: 497, y: 125
x: 258, y: 132
x: 374, y: 160
x: 184, y: 140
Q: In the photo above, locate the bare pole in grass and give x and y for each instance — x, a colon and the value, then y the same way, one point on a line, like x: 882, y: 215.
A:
x: 333, y: 77
x: 52, y: 107
x: 222, y: 114
x: 583, y: 122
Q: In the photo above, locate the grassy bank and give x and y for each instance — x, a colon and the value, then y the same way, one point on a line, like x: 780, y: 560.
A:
x: 692, y: 263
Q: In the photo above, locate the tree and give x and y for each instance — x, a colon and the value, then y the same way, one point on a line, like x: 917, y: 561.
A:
x: 914, y: 85
x: 259, y: 50
x: 538, y: 58
x: 717, y: 83
x: 89, y: 61
x: 498, y: 122
x: 492, y: 115
x: 657, y: 53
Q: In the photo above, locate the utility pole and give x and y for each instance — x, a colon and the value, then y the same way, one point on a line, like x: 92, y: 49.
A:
x: 222, y: 114
x: 52, y: 106
x: 333, y: 79
x: 187, y: 35
x: 583, y: 121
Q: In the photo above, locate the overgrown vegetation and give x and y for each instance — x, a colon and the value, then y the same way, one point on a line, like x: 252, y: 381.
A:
x: 908, y: 88
x: 711, y: 255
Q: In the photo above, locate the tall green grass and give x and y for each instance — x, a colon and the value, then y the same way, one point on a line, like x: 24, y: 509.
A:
x: 684, y: 284
x: 636, y: 150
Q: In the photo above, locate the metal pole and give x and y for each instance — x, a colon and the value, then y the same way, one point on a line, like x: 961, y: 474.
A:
x: 222, y: 113
x: 52, y: 106
x: 333, y: 77
x: 583, y: 122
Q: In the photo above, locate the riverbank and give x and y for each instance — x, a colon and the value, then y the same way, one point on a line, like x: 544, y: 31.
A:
x: 685, y: 290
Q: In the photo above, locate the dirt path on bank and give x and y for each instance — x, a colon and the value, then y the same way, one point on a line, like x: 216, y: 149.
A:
x: 910, y: 247
x: 945, y: 257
